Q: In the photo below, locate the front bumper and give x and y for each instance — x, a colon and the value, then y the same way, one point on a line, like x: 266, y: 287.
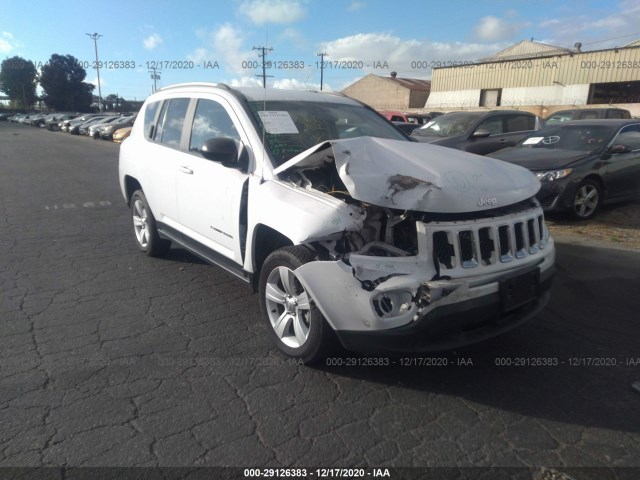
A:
x: 450, y: 326
x: 558, y: 195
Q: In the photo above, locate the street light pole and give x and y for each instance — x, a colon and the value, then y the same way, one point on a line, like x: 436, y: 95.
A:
x: 95, y: 38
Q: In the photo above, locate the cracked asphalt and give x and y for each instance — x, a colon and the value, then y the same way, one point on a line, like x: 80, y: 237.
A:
x: 111, y: 358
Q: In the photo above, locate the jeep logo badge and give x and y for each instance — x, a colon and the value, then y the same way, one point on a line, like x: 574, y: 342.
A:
x: 487, y: 202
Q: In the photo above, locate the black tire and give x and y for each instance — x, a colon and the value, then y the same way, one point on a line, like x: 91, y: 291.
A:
x: 289, y: 310
x: 145, y: 230
x: 586, y: 200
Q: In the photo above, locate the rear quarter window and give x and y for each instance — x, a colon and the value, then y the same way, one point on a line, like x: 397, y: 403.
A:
x: 149, y: 118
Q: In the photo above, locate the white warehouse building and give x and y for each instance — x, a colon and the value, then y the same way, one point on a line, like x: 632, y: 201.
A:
x: 541, y: 78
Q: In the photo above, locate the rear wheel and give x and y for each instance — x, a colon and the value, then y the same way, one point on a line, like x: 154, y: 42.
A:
x: 586, y: 200
x: 144, y: 227
x: 295, y: 323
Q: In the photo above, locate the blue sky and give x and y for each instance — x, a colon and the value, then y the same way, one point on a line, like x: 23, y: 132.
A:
x: 379, y: 36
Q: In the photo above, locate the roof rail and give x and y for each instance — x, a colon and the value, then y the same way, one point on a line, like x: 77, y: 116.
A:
x: 195, y: 84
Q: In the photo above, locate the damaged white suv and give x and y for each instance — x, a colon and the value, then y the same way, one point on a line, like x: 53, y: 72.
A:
x: 339, y: 221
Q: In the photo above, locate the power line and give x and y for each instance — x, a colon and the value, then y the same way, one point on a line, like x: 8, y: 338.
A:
x: 264, y: 64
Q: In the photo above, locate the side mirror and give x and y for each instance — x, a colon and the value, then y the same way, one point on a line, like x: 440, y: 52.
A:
x: 228, y: 151
x: 619, y: 149
x: 481, y: 133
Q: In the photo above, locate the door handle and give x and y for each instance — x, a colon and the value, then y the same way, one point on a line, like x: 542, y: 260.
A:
x: 185, y: 169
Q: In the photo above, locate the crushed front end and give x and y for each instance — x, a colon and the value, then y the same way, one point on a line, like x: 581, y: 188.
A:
x: 449, y: 251
x: 467, y: 280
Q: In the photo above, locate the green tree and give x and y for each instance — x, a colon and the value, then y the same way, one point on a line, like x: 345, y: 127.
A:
x: 18, y: 81
x: 62, y: 81
x: 112, y: 102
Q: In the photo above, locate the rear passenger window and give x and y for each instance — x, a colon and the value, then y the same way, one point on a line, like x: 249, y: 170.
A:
x: 520, y: 123
x: 588, y: 114
x: 149, y: 117
x: 170, y: 131
x: 211, y: 121
x: 615, y: 114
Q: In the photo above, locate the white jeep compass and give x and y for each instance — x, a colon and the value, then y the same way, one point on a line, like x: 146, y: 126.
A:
x: 338, y: 220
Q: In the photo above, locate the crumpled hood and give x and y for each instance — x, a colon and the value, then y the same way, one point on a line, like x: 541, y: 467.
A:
x: 418, y: 176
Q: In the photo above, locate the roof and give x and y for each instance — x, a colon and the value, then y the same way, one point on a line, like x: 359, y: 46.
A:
x: 257, y: 93
x: 412, y: 83
x: 526, y: 49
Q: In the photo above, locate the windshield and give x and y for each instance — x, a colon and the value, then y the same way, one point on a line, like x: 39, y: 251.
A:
x: 447, y: 125
x: 293, y: 127
x: 585, y: 138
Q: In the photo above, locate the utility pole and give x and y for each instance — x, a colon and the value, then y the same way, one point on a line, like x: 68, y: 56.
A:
x: 264, y: 64
x: 154, y: 76
x: 322, y: 55
x: 95, y: 38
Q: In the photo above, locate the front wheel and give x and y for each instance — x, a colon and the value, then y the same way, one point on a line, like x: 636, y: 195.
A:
x: 295, y: 323
x: 144, y: 227
x: 586, y: 199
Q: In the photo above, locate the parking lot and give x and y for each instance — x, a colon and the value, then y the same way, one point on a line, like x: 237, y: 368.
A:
x: 112, y: 358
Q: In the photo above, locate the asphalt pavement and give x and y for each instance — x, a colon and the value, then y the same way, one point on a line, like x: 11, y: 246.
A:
x: 112, y: 358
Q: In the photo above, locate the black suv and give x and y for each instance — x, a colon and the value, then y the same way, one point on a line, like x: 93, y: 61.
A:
x: 479, y: 132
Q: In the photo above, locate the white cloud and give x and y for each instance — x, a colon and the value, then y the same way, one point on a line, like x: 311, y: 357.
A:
x: 292, y: 37
x: 295, y: 84
x: 152, y: 41
x: 355, y: 6
x: 94, y: 82
x: 494, y: 29
x: 617, y: 28
x: 7, y: 43
x: 374, y: 49
x: 260, y: 12
x: 283, y: 83
x: 224, y: 45
x: 245, y: 82
x: 552, y: 22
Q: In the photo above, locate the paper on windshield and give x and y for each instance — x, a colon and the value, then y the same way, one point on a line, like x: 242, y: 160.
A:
x: 277, y: 122
x: 532, y: 141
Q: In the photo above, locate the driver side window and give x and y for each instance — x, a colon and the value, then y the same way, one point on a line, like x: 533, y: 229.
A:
x: 629, y: 136
x: 211, y: 120
x: 494, y: 125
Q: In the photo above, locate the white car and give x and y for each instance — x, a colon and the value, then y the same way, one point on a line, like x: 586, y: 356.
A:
x: 339, y: 221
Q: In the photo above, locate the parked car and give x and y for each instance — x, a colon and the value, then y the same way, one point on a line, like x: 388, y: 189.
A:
x: 67, y: 124
x: 4, y: 117
x: 405, y: 127
x: 120, y: 135
x: 582, y: 164
x: 419, y: 118
x: 55, y: 123
x: 89, y: 128
x: 586, y: 114
x: 106, y: 131
x: 36, y: 120
x: 76, y: 125
x: 338, y: 220
x: 478, y: 132
x: 93, y: 130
